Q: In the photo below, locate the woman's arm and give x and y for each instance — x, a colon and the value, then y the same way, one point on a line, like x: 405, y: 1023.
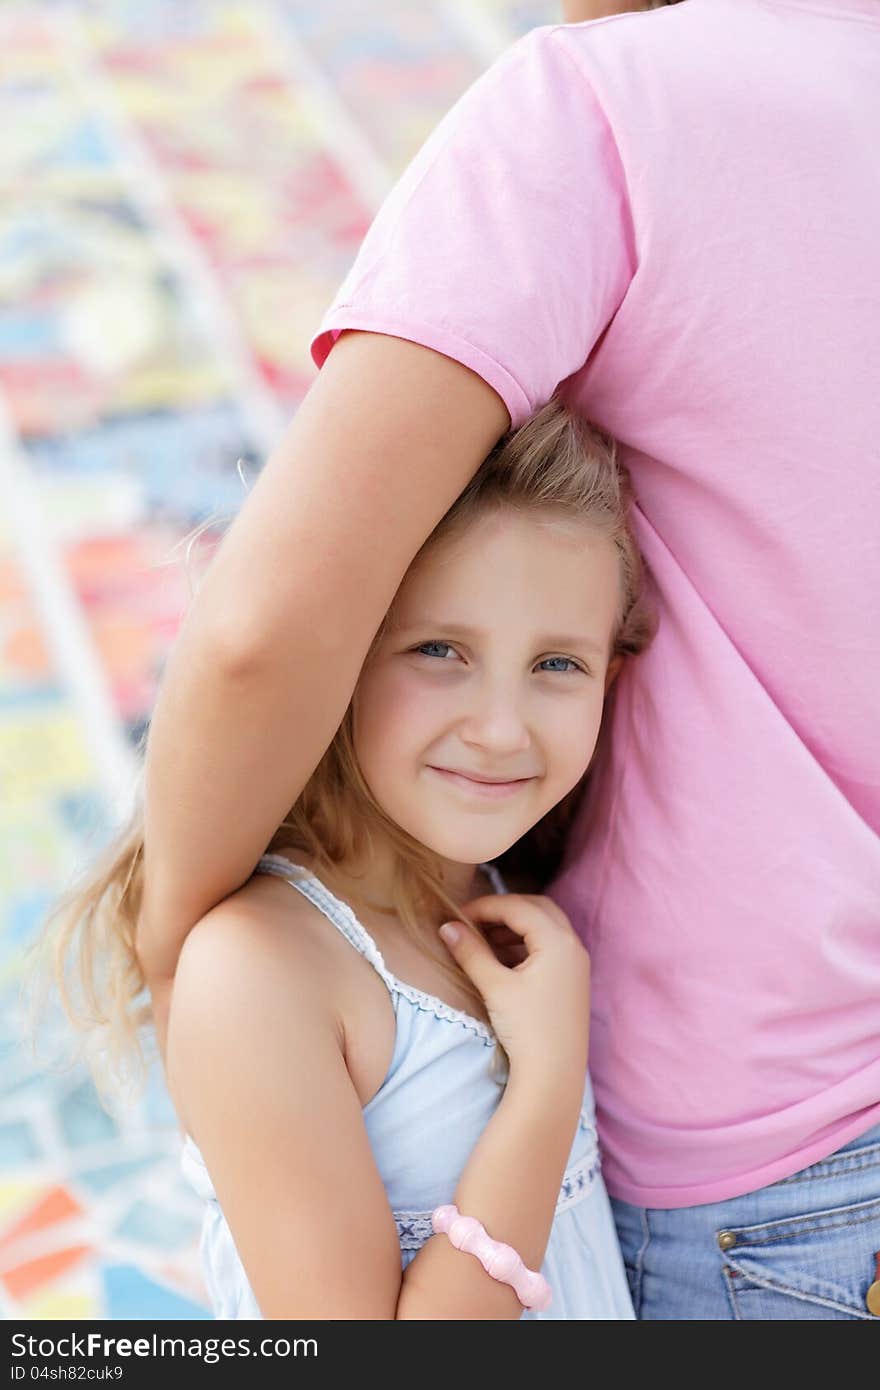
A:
x: 271, y: 649
x: 256, y: 1066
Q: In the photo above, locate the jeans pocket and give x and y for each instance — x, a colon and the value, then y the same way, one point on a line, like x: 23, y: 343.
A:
x: 818, y: 1264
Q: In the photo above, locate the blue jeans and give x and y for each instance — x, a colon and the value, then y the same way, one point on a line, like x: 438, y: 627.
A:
x: 805, y: 1247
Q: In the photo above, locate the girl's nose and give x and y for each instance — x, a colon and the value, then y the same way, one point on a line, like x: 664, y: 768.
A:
x: 498, y: 726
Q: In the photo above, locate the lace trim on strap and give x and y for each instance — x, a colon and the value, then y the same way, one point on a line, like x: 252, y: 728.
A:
x: 432, y: 1005
x: 357, y: 935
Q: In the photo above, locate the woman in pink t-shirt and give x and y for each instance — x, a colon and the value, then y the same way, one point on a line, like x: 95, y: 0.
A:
x: 671, y: 217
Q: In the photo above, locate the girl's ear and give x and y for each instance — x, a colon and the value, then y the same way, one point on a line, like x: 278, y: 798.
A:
x: 614, y: 668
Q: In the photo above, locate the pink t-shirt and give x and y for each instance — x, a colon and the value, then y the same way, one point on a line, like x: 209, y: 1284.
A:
x: 678, y: 215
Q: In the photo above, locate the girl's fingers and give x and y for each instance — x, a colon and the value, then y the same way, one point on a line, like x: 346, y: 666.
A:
x: 497, y: 933
x: 475, y: 956
x: 528, y: 917
x: 508, y: 947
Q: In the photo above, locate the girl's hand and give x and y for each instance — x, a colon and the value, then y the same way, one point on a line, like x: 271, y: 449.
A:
x: 507, y: 947
x: 539, y: 1008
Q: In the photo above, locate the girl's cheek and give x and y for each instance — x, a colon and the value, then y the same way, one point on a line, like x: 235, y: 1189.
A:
x: 403, y: 709
x: 411, y: 699
x: 576, y: 733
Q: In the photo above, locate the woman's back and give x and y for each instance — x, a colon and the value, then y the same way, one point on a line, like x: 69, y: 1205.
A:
x: 439, y: 1092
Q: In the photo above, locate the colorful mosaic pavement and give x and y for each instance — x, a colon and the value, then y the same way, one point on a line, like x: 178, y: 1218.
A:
x: 182, y: 187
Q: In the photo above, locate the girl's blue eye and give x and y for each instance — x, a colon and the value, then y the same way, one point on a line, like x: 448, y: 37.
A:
x: 422, y: 646
x: 568, y: 661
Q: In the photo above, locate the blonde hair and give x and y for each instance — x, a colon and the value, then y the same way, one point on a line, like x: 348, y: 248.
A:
x: 554, y: 466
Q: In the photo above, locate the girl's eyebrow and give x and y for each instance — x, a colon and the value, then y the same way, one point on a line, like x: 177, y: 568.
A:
x: 553, y: 640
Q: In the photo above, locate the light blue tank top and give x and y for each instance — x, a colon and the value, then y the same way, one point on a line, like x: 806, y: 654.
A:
x: 439, y: 1093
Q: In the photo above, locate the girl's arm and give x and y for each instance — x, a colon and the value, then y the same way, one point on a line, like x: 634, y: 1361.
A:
x: 257, y: 1068
x: 511, y: 1184
x: 269, y: 654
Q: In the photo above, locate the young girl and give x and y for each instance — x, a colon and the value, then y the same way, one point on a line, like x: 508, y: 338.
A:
x: 378, y: 1053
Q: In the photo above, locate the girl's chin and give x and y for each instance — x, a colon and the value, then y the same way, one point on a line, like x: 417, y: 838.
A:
x: 474, y: 848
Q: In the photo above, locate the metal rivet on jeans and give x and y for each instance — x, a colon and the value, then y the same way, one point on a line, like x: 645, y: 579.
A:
x: 726, y: 1239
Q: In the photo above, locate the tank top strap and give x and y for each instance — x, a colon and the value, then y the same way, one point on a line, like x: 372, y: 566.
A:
x: 333, y: 908
x: 345, y: 921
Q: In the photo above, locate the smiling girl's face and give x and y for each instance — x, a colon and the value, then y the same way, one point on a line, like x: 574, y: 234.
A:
x: 493, y: 666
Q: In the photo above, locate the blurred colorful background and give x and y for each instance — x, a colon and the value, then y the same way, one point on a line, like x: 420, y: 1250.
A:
x: 183, y: 185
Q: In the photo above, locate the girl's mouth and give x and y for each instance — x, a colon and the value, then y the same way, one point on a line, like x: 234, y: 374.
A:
x: 494, y: 791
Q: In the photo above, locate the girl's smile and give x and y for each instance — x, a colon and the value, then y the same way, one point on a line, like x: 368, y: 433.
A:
x: 481, y: 786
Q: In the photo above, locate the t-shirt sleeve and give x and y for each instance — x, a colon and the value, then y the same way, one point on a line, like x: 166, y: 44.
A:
x: 506, y: 244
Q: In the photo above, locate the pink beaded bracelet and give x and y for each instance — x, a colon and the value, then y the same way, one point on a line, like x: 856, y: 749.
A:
x: 500, y: 1261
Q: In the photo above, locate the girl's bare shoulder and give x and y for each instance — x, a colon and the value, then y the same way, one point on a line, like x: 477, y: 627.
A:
x: 265, y: 933
x: 258, y: 963
x: 255, y: 988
